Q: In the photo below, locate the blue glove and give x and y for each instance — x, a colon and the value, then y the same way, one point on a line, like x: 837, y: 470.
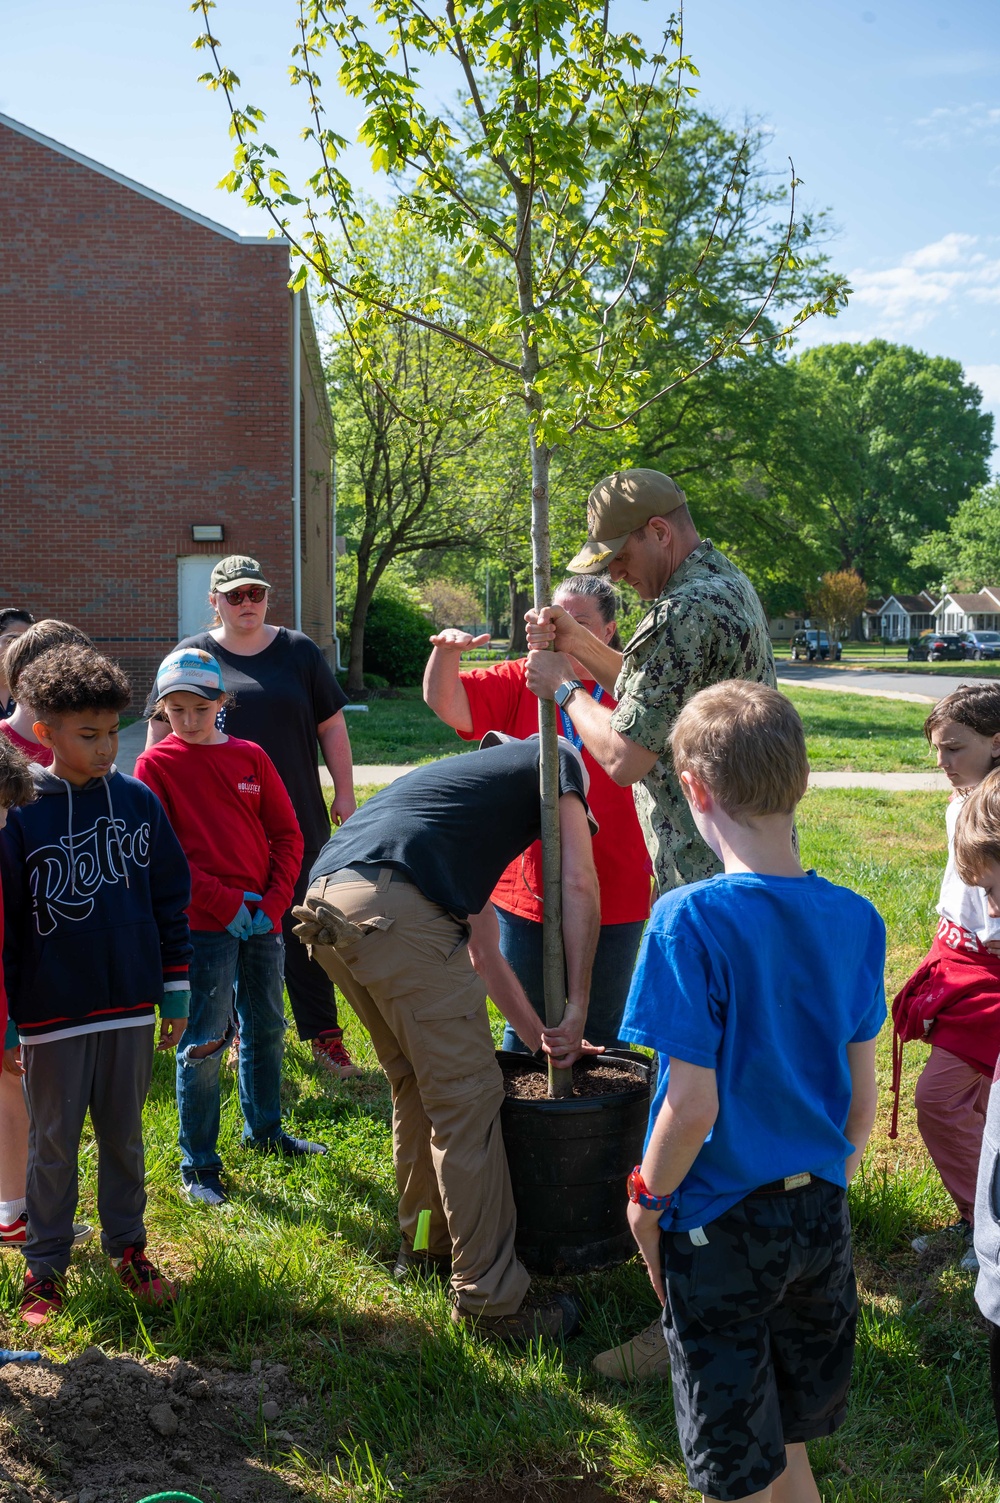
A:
x: 241, y: 926
x: 261, y: 923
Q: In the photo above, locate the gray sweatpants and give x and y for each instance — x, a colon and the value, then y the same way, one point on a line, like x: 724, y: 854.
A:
x: 108, y: 1072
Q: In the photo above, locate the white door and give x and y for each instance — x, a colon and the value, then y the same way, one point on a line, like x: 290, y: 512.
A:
x: 194, y: 613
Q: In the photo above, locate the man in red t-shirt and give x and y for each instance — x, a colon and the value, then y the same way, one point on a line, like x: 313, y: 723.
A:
x: 496, y: 698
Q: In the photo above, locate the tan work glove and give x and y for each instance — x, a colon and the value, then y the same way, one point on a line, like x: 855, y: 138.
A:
x: 319, y: 923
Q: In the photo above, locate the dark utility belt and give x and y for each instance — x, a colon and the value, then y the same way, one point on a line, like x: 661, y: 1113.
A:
x: 368, y: 871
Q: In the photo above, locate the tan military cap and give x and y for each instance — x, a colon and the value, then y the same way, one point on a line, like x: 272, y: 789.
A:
x: 616, y: 507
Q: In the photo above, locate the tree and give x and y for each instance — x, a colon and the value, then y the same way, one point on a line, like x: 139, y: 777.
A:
x: 966, y: 556
x: 839, y: 600
x: 899, y: 440
x: 451, y: 604
x: 553, y: 177
x: 412, y: 478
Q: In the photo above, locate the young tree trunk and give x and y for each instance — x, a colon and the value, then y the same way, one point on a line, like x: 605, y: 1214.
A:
x: 553, y: 954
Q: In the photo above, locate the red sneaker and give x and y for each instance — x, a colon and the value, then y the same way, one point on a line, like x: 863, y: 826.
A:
x: 16, y: 1234
x: 328, y: 1051
x: 41, y: 1299
x: 142, y: 1278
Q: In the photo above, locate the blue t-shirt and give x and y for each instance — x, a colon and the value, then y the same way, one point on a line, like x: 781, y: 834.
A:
x: 765, y: 980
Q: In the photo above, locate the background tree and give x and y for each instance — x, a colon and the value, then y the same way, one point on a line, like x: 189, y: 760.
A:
x: 553, y: 178
x: 965, y: 555
x: 452, y: 603
x: 839, y: 600
x: 899, y: 439
x: 413, y: 478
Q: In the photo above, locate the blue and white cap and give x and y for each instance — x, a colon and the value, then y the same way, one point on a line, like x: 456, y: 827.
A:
x: 191, y: 670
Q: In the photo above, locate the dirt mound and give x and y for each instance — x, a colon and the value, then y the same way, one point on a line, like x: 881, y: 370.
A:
x: 101, y: 1429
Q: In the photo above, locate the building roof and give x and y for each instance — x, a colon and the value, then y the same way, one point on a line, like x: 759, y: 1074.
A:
x: 915, y: 605
x: 127, y: 182
x: 986, y: 602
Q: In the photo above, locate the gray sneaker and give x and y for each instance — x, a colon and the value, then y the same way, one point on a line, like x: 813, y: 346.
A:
x: 924, y: 1242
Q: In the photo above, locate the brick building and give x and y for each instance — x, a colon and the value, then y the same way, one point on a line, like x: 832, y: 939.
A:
x: 147, y: 364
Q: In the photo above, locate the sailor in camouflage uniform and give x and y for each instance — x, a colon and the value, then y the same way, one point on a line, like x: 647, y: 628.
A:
x: 704, y: 625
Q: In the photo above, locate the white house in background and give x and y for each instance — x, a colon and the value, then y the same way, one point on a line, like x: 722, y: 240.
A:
x: 900, y: 616
x: 980, y: 612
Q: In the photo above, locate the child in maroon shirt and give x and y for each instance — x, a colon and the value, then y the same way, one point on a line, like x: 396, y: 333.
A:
x: 235, y: 822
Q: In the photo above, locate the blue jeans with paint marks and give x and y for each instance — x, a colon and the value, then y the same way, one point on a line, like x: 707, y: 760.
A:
x: 234, y: 984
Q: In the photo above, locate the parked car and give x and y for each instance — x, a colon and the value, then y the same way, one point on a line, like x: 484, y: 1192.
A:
x: 935, y: 646
x: 815, y: 644
x: 981, y: 644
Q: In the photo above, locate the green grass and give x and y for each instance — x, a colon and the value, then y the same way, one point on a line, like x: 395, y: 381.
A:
x: 401, y: 1405
x: 858, y: 733
x: 968, y: 668
x: 843, y: 732
x: 401, y: 729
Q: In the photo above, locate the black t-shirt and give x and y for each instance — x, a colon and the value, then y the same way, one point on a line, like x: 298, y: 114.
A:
x: 282, y: 695
x: 454, y: 825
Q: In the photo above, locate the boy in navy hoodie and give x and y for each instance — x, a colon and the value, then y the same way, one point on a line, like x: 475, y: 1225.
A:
x: 95, y: 886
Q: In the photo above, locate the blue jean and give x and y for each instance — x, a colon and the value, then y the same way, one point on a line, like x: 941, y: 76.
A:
x: 617, y: 947
x: 247, y: 976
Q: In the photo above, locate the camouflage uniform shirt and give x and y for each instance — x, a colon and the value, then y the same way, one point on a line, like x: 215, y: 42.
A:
x: 706, y: 627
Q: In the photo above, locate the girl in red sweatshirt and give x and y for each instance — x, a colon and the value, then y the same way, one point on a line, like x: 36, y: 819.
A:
x: 233, y: 818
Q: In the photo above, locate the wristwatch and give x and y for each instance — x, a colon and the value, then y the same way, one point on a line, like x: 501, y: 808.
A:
x: 566, y: 688
x: 641, y: 1195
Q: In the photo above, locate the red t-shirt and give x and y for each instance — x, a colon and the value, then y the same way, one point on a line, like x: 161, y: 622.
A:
x: 500, y: 700
x: 33, y: 750
x: 235, y: 822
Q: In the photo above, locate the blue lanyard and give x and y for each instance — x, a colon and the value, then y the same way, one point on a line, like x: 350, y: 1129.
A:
x: 569, y: 729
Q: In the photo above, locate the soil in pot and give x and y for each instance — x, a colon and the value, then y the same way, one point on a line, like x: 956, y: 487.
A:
x: 593, y: 1080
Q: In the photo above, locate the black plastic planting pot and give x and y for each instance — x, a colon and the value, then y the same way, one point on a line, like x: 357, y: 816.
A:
x: 569, y: 1161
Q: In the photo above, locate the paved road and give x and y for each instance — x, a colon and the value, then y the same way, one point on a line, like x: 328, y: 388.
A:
x: 919, y: 688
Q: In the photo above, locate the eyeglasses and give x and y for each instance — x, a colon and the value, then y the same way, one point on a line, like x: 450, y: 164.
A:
x: 254, y: 593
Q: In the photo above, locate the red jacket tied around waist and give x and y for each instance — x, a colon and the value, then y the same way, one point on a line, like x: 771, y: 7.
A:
x: 952, y: 1001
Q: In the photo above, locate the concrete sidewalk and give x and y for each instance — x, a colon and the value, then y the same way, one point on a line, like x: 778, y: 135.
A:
x: 368, y: 774
x: 897, y: 782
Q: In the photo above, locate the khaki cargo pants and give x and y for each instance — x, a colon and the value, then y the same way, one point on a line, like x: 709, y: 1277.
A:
x: 413, y: 986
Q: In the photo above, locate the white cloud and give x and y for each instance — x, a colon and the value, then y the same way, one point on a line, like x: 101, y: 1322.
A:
x: 958, y: 124
x: 901, y: 300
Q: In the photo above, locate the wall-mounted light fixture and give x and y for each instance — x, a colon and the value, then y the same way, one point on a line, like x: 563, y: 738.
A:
x: 210, y: 533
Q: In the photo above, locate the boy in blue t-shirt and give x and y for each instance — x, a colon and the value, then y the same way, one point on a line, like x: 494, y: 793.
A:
x: 761, y: 990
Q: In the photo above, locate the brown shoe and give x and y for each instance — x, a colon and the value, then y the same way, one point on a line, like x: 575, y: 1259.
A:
x: 410, y: 1265
x: 558, y: 1318
x: 638, y: 1360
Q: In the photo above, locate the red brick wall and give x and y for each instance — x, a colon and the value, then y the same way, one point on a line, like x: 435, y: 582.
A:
x: 144, y: 387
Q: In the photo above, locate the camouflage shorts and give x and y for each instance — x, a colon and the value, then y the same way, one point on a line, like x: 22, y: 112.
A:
x: 760, y: 1323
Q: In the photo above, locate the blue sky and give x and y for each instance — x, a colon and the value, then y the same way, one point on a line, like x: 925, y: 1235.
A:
x: 889, y: 108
